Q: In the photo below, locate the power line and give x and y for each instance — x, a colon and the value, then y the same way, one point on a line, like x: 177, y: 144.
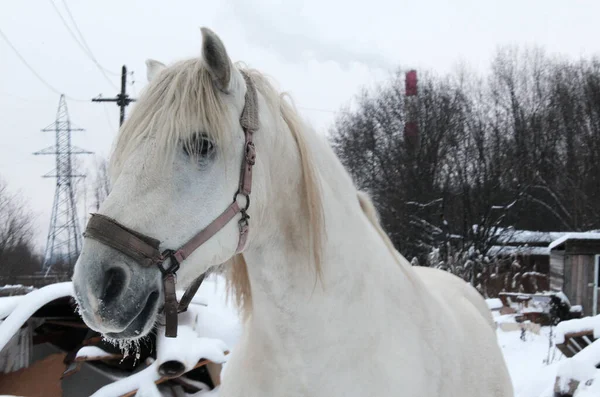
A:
x: 110, y: 124
x: 85, y: 49
x: 318, y: 110
x: 32, y: 70
x: 132, y: 84
x: 85, y: 42
x: 20, y: 98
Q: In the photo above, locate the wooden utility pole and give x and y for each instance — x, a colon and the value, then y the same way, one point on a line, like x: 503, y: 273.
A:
x: 122, y: 99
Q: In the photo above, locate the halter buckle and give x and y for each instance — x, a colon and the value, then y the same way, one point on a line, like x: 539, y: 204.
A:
x: 174, y: 265
x: 243, y: 222
x: 250, y: 153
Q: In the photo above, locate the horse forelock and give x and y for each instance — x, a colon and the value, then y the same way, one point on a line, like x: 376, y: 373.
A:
x: 179, y: 102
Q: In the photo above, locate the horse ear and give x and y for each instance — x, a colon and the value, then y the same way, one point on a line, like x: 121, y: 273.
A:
x: 216, y: 58
x: 153, y: 68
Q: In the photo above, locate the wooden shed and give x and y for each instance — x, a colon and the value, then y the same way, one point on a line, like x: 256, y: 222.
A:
x: 574, y: 269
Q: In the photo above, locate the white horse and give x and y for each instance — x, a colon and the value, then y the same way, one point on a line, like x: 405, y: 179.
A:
x: 331, y: 309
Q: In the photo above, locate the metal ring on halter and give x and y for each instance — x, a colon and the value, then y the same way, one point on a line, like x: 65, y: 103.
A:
x: 246, y: 195
x: 174, y: 265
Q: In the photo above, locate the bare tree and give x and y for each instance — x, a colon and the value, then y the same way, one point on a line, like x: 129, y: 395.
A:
x: 15, y: 223
x: 101, y: 183
x: 519, y: 148
x: 16, y: 230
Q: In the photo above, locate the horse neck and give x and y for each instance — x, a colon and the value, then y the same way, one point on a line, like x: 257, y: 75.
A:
x: 289, y: 301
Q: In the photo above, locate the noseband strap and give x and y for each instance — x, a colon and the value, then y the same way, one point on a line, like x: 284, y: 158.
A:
x: 145, y: 250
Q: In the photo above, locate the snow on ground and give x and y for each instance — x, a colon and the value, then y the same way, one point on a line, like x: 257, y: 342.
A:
x: 531, y: 356
x: 534, y: 362
x: 527, y: 361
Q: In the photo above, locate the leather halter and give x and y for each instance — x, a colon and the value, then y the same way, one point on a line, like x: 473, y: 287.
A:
x: 145, y: 250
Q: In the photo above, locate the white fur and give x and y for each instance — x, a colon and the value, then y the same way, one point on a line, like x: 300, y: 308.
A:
x: 153, y: 68
x: 371, y: 325
x: 372, y: 329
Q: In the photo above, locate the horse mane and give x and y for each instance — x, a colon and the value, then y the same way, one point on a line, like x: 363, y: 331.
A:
x: 237, y: 271
x: 173, y: 106
x: 368, y: 208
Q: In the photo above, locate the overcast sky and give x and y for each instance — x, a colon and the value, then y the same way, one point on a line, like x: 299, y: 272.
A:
x: 322, y: 51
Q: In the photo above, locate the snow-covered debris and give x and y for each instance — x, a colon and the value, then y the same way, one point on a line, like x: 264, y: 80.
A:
x: 579, y: 372
x: 494, y: 303
x: 92, y: 351
x: 188, y: 348
x: 28, y: 305
x: 209, y: 329
x: 578, y: 325
x: 16, y: 289
x: 8, y: 304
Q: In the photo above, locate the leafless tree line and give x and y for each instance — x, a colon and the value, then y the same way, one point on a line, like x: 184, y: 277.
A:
x: 519, y: 148
x: 17, y: 253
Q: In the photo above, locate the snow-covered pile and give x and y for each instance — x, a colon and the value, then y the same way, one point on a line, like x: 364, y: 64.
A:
x: 23, y: 307
x: 580, y: 370
x: 578, y: 325
x: 494, y: 303
x: 207, y: 330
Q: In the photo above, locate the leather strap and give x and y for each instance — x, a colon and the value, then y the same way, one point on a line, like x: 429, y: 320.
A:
x: 250, y: 124
x: 170, y: 306
x: 145, y: 250
x: 187, y: 297
x: 139, y: 247
x: 195, y: 242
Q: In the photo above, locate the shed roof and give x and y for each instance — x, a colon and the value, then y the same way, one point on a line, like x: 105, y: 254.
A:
x: 499, y: 250
x: 531, y: 237
x: 574, y: 236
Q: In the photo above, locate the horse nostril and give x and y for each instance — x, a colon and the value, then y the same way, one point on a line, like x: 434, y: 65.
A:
x: 114, y: 284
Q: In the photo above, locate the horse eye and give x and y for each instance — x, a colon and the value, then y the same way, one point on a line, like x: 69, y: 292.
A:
x: 199, y: 145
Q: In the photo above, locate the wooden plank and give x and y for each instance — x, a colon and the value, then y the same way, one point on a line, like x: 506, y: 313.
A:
x: 575, y: 342
x: 588, y: 291
x: 587, y: 332
x: 578, y: 280
x: 557, y: 268
x: 565, y: 350
x: 568, y: 275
